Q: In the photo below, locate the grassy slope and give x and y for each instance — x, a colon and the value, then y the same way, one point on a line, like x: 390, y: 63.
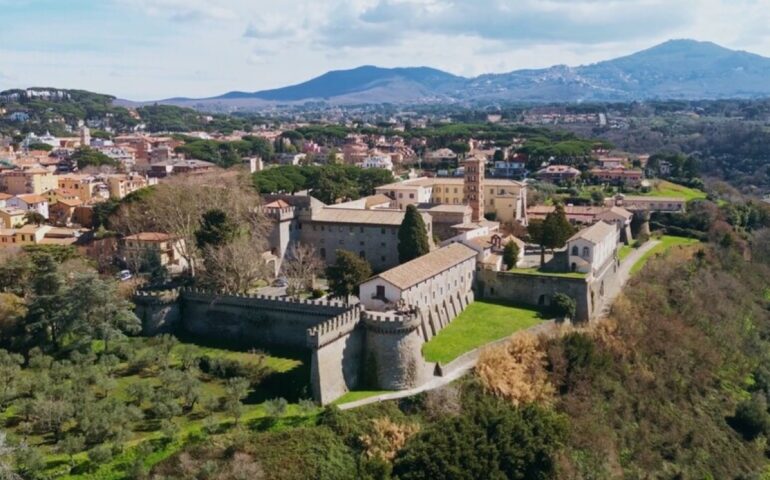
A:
x: 666, y: 243
x: 664, y: 188
x: 481, y: 323
x: 537, y: 271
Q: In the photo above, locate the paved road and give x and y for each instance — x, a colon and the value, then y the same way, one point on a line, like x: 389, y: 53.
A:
x: 467, y: 361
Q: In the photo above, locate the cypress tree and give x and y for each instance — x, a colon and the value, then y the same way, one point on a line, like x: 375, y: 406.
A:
x: 412, y: 236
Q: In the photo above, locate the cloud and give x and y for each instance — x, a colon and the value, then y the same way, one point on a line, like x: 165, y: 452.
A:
x: 523, y: 22
x: 183, y: 10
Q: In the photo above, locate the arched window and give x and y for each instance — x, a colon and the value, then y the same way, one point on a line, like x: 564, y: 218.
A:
x: 575, y: 251
x: 586, y: 252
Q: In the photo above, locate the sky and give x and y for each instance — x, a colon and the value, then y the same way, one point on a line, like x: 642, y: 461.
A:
x: 155, y: 49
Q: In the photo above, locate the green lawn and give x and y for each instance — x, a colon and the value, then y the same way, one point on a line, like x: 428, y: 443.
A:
x: 625, y: 251
x: 482, y: 322
x: 356, y: 395
x: 664, y: 188
x: 666, y: 243
x: 537, y: 271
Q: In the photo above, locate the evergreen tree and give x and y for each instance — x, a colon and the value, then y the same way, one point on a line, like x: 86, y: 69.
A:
x: 216, y: 229
x: 510, y: 254
x: 46, y: 315
x: 347, y: 273
x: 412, y: 236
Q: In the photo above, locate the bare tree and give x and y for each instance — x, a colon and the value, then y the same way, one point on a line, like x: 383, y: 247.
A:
x: 301, y: 266
x: 177, y: 206
x: 236, y: 266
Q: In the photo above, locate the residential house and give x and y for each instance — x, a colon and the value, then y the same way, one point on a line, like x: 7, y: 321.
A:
x: 12, y: 217
x: 618, y: 176
x: 31, y: 180
x: 558, y: 173
x: 63, y: 211
x: 137, y: 249
x: 30, y: 203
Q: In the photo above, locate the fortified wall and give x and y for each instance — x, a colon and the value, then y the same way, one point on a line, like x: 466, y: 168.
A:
x: 349, y: 347
x: 538, y: 290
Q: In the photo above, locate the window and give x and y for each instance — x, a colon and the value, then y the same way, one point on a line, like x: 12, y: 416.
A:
x: 382, y: 258
x: 575, y: 251
x: 362, y: 254
x: 362, y: 229
x: 382, y: 231
x: 361, y: 243
x: 586, y: 252
x: 323, y: 253
x: 411, y: 195
x: 400, y: 195
x: 380, y: 291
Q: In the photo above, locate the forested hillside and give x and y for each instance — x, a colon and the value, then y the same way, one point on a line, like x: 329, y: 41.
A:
x: 673, y: 385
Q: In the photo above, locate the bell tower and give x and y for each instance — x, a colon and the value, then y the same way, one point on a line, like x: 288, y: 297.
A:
x: 473, y: 186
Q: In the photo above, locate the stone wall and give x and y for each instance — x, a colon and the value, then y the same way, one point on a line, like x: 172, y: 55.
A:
x: 538, y: 290
x: 350, y: 347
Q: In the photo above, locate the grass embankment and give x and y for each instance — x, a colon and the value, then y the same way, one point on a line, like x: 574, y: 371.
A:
x: 667, y: 242
x: 355, y: 395
x: 664, y: 188
x: 537, y: 271
x: 624, y: 251
x: 482, y: 322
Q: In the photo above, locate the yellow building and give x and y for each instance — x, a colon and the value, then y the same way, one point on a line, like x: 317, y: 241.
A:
x: 33, y: 180
x: 82, y: 185
x: 507, y: 199
x: 11, y: 217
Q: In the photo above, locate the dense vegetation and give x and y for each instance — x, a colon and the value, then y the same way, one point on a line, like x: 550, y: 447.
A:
x: 328, y: 183
x: 226, y: 154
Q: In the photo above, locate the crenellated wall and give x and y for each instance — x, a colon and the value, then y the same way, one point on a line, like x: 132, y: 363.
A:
x: 349, y: 346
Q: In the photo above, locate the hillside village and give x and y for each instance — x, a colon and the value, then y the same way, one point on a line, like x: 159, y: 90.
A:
x: 479, y: 234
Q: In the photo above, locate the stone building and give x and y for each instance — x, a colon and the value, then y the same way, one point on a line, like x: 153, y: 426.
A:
x: 423, y: 282
x: 506, y: 199
x: 591, y: 248
x: 473, y: 187
x: 137, y: 248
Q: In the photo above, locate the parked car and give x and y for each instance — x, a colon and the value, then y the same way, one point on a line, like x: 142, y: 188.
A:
x: 125, y: 275
x: 281, y: 282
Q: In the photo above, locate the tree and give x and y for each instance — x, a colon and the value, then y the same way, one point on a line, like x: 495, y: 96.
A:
x: 88, y: 157
x: 216, y: 229
x: 493, y: 440
x: 348, y: 271
x: 236, y: 389
x: 551, y: 233
x: 71, y: 445
x: 236, y: 266
x: 300, y: 268
x: 536, y: 232
x: 511, y: 254
x: 564, y: 306
x: 98, y: 310
x: 47, y: 318
x: 412, y: 236
x: 34, y: 218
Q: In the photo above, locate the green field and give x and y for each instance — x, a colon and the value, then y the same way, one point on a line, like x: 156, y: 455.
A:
x: 482, y: 322
x: 664, y: 188
x: 667, y: 242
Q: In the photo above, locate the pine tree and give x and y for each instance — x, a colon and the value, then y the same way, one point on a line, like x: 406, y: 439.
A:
x: 412, y: 236
x: 216, y: 229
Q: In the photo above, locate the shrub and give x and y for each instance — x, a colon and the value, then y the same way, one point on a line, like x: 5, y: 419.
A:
x: 751, y: 418
x: 516, y: 371
x: 317, y: 293
x: 563, y: 306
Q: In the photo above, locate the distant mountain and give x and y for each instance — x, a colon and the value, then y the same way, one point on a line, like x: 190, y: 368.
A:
x: 677, y: 69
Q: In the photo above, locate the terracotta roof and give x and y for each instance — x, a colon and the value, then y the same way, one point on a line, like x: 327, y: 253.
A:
x: 377, y: 199
x: 596, y: 233
x: 70, y: 202
x: 350, y: 215
x: 150, y: 237
x: 277, y: 204
x: 5, y: 196
x: 429, y: 265
x: 32, y: 198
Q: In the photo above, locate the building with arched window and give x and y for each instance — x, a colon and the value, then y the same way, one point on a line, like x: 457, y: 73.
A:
x: 591, y: 248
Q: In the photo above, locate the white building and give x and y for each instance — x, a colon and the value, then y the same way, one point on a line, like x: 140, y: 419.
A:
x: 378, y: 161
x: 30, y: 203
x: 423, y: 282
x: 591, y: 248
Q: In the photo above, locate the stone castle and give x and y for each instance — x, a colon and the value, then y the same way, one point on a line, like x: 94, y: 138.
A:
x: 349, y: 347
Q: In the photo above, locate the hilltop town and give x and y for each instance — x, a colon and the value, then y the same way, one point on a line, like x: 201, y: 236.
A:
x: 248, y: 265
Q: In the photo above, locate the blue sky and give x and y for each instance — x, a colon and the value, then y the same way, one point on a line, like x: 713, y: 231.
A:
x: 151, y: 49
